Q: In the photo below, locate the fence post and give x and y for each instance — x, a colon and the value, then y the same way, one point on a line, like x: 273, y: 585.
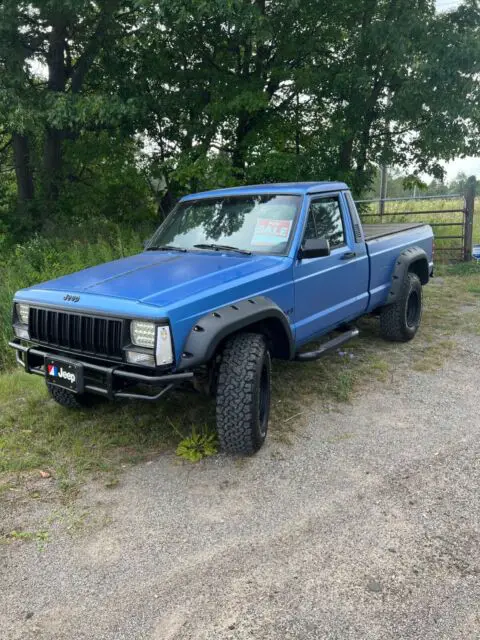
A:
x: 469, y: 213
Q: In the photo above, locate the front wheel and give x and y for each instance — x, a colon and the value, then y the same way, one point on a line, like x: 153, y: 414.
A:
x: 243, y: 394
x: 400, y: 321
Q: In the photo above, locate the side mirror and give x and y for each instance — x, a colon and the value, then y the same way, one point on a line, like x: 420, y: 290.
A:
x: 315, y: 248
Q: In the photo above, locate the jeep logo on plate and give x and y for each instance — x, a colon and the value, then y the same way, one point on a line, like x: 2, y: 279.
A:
x: 55, y: 372
x: 69, y: 298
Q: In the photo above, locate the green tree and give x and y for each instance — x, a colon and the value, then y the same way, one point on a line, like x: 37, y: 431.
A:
x: 264, y: 91
x: 221, y: 81
x: 56, y: 90
x: 187, y: 95
x: 402, y: 89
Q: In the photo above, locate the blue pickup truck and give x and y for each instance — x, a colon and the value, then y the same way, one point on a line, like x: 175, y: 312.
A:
x: 232, y: 278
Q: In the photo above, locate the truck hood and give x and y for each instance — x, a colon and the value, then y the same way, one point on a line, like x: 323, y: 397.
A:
x: 156, y: 278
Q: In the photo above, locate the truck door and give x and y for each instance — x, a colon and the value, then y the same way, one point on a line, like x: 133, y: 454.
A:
x: 332, y: 289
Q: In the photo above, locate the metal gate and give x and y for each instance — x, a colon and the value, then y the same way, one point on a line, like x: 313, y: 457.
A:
x: 452, y: 225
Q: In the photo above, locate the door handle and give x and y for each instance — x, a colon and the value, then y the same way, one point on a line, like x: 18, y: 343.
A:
x: 349, y: 255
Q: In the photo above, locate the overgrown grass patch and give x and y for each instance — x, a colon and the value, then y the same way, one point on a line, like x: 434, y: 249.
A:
x: 40, y: 537
x: 42, y: 259
x: 37, y: 434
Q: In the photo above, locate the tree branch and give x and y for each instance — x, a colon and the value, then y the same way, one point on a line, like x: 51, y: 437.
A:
x: 85, y: 61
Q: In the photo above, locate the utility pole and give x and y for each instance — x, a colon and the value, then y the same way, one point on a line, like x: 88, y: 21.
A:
x: 383, y: 168
x: 383, y: 188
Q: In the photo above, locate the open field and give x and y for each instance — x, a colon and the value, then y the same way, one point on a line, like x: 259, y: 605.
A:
x: 442, y: 242
x: 38, y: 435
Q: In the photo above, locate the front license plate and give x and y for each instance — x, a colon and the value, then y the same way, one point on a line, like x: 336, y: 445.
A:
x: 64, y: 373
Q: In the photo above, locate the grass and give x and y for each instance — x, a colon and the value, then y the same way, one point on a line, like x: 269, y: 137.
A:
x: 36, y: 434
x: 42, y: 259
x: 441, y: 241
x: 41, y: 537
x: 197, y: 446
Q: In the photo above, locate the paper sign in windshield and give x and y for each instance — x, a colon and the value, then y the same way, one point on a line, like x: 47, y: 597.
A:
x: 271, y: 232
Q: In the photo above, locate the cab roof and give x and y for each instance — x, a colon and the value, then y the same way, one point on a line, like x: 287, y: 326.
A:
x: 292, y: 188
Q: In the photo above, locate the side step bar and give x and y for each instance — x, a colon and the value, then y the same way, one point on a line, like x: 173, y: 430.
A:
x: 307, y: 356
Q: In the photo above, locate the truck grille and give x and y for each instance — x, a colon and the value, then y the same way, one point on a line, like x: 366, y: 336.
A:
x: 88, y: 334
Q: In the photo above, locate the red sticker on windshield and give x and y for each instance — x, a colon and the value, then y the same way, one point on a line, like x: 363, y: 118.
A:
x: 268, y: 232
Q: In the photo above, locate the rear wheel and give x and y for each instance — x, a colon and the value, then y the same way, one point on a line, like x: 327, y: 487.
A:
x: 400, y: 321
x: 243, y: 394
x: 71, y: 400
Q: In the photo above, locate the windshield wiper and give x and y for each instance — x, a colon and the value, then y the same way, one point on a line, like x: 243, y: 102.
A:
x: 222, y: 247
x: 167, y: 247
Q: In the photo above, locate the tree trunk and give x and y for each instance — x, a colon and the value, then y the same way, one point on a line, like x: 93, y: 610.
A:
x: 52, y: 158
x: 23, y: 169
x: 345, y: 155
x: 165, y: 205
x: 244, y: 126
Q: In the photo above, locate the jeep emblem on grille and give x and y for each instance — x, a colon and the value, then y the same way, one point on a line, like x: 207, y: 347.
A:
x: 69, y: 298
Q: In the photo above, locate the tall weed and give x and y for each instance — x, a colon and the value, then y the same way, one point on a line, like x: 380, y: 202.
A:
x: 45, y: 258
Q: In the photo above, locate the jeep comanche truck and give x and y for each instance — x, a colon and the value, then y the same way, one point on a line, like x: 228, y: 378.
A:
x: 232, y: 278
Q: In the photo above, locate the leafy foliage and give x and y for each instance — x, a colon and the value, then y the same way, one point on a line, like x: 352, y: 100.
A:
x: 197, y: 446
x: 116, y: 107
x: 401, y: 185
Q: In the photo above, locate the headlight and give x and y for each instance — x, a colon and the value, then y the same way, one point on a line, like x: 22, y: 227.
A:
x: 23, y: 312
x: 164, y: 350
x: 150, y: 336
x: 143, y: 334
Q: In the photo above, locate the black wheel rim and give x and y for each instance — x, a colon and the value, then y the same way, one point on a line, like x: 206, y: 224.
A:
x: 264, y: 400
x: 413, y: 309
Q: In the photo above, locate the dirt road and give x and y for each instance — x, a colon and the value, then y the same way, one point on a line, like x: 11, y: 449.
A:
x: 367, y: 526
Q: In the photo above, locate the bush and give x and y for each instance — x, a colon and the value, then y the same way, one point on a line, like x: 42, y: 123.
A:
x: 45, y: 258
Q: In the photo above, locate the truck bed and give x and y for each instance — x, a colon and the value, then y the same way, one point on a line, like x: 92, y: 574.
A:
x: 374, y: 231
x: 385, y: 242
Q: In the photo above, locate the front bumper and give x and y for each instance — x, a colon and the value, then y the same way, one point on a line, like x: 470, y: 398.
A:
x: 110, y: 382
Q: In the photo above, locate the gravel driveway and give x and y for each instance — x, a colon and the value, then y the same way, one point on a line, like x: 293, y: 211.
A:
x: 367, y: 526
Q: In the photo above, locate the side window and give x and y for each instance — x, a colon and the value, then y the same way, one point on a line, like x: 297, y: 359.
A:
x: 325, y: 221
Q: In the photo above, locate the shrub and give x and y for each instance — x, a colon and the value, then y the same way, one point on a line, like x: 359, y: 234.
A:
x: 45, y: 258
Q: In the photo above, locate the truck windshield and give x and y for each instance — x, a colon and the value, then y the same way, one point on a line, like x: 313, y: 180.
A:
x: 250, y: 223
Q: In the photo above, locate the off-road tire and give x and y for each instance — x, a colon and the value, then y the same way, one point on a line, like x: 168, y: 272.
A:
x: 243, y: 394
x: 399, y: 322
x: 71, y: 400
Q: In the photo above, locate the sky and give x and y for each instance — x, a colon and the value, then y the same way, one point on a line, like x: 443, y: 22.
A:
x: 445, y: 5
x: 470, y: 166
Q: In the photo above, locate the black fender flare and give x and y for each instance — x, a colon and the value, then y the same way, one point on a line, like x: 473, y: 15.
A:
x: 212, y: 329
x: 413, y: 259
